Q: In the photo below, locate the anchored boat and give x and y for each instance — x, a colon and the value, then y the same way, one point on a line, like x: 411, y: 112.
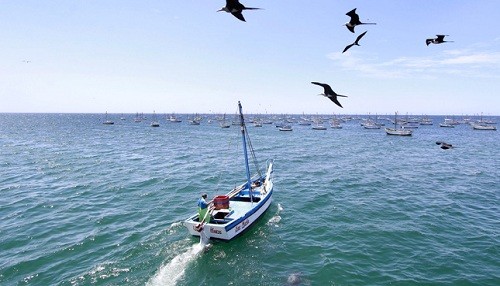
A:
x: 397, y: 131
x: 236, y: 211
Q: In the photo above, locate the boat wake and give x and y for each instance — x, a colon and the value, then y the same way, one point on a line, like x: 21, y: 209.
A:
x: 173, y: 271
x: 276, y: 218
x: 174, y: 226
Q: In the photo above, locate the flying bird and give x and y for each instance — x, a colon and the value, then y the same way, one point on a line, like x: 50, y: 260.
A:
x: 355, y: 42
x: 328, y: 92
x: 236, y: 8
x: 438, y: 40
x: 355, y: 20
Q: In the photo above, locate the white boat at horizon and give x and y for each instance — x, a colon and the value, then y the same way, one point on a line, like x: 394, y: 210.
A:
x: 231, y: 214
x: 398, y: 131
x: 107, y: 121
x: 483, y: 127
x: 223, y: 123
x: 174, y: 119
x: 319, y: 126
x: 446, y: 125
x: 155, y: 122
x: 285, y: 128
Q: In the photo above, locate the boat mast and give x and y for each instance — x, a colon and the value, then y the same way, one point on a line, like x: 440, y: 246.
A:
x: 242, y: 124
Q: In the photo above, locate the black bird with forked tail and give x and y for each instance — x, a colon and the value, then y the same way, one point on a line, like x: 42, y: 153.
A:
x: 355, y: 20
x: 236, y: 8
x: 438, y: 40
x: 328, y: 92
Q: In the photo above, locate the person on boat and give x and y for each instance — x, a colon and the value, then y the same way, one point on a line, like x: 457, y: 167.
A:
x: 203, y: 210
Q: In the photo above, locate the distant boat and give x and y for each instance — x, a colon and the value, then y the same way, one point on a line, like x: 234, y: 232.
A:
x: 446, y: 124
x: 304, y: 121
x: 257, y: 124
x: 484, y: 124
x: 236, y: 211
x: 195, y: 120
x: 174, y: 119
x: 155, y: 122
x: 397, y: 131
x: 285, y: 128
x: 410, y: 126
x: 370, y: 124
x: 223, y: 123
x: 477, y: 126
x: 107, y: 121
x: 137, y: 118
x: 335, y: 125
x: 318, y: 126
x: 450, y: 123
x: 426, y: 121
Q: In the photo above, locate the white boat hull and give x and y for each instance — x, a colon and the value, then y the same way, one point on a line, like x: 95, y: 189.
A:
x: 229, y: 223
x: 399, y: 132
x: 484, y: 127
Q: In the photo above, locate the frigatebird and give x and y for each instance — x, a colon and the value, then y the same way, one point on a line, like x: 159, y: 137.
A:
x: 236, y: 8
x: 355, y: 42
x: 438, y: 40
x: 328, y: 92
x: 355, y: 20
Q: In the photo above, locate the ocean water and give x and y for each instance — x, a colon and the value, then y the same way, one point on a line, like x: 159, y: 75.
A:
x: 82, y: 203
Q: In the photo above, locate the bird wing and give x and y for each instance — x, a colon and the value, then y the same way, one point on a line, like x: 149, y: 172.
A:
x: 354, y: 17
x: 350, y: 28
x: 359, y: 37
x: 347, y: 47
x: 238, y: 15
x: 352, y: 13
x: 334, y: 99
x: 323, y: 85
x: 429, y: 41
x: 327, y: 89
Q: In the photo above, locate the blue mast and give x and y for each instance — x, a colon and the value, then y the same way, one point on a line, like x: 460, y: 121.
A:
x: 242, y: 124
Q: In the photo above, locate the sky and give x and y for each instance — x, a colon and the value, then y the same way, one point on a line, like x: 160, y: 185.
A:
x: 181, y: 56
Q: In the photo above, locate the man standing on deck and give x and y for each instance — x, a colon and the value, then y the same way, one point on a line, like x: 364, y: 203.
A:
x: 203, y: 215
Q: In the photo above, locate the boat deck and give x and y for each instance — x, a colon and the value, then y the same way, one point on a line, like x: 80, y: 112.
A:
x: 239, y: 206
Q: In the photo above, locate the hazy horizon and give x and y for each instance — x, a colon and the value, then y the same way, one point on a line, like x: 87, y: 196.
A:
x: 182, y: 56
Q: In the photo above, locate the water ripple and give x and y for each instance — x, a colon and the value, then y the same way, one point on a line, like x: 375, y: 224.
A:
x: 83, y: 203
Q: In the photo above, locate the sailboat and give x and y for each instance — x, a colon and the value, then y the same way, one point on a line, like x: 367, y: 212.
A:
x: 236, y: 211
x: 155, y: 122
x: 398, y: 131
x: 223, y: 123
x: 137, y: 118
x: 107, y: 121
x: 483, y: 125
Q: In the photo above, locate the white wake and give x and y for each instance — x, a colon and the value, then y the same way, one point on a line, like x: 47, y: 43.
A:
x: 173, y: 271
x: 276, y: 218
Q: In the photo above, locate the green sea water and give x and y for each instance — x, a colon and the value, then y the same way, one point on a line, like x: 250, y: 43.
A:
x: 82, y: 203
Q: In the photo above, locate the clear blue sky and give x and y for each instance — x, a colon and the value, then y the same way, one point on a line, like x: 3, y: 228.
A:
x: 124, y: 56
